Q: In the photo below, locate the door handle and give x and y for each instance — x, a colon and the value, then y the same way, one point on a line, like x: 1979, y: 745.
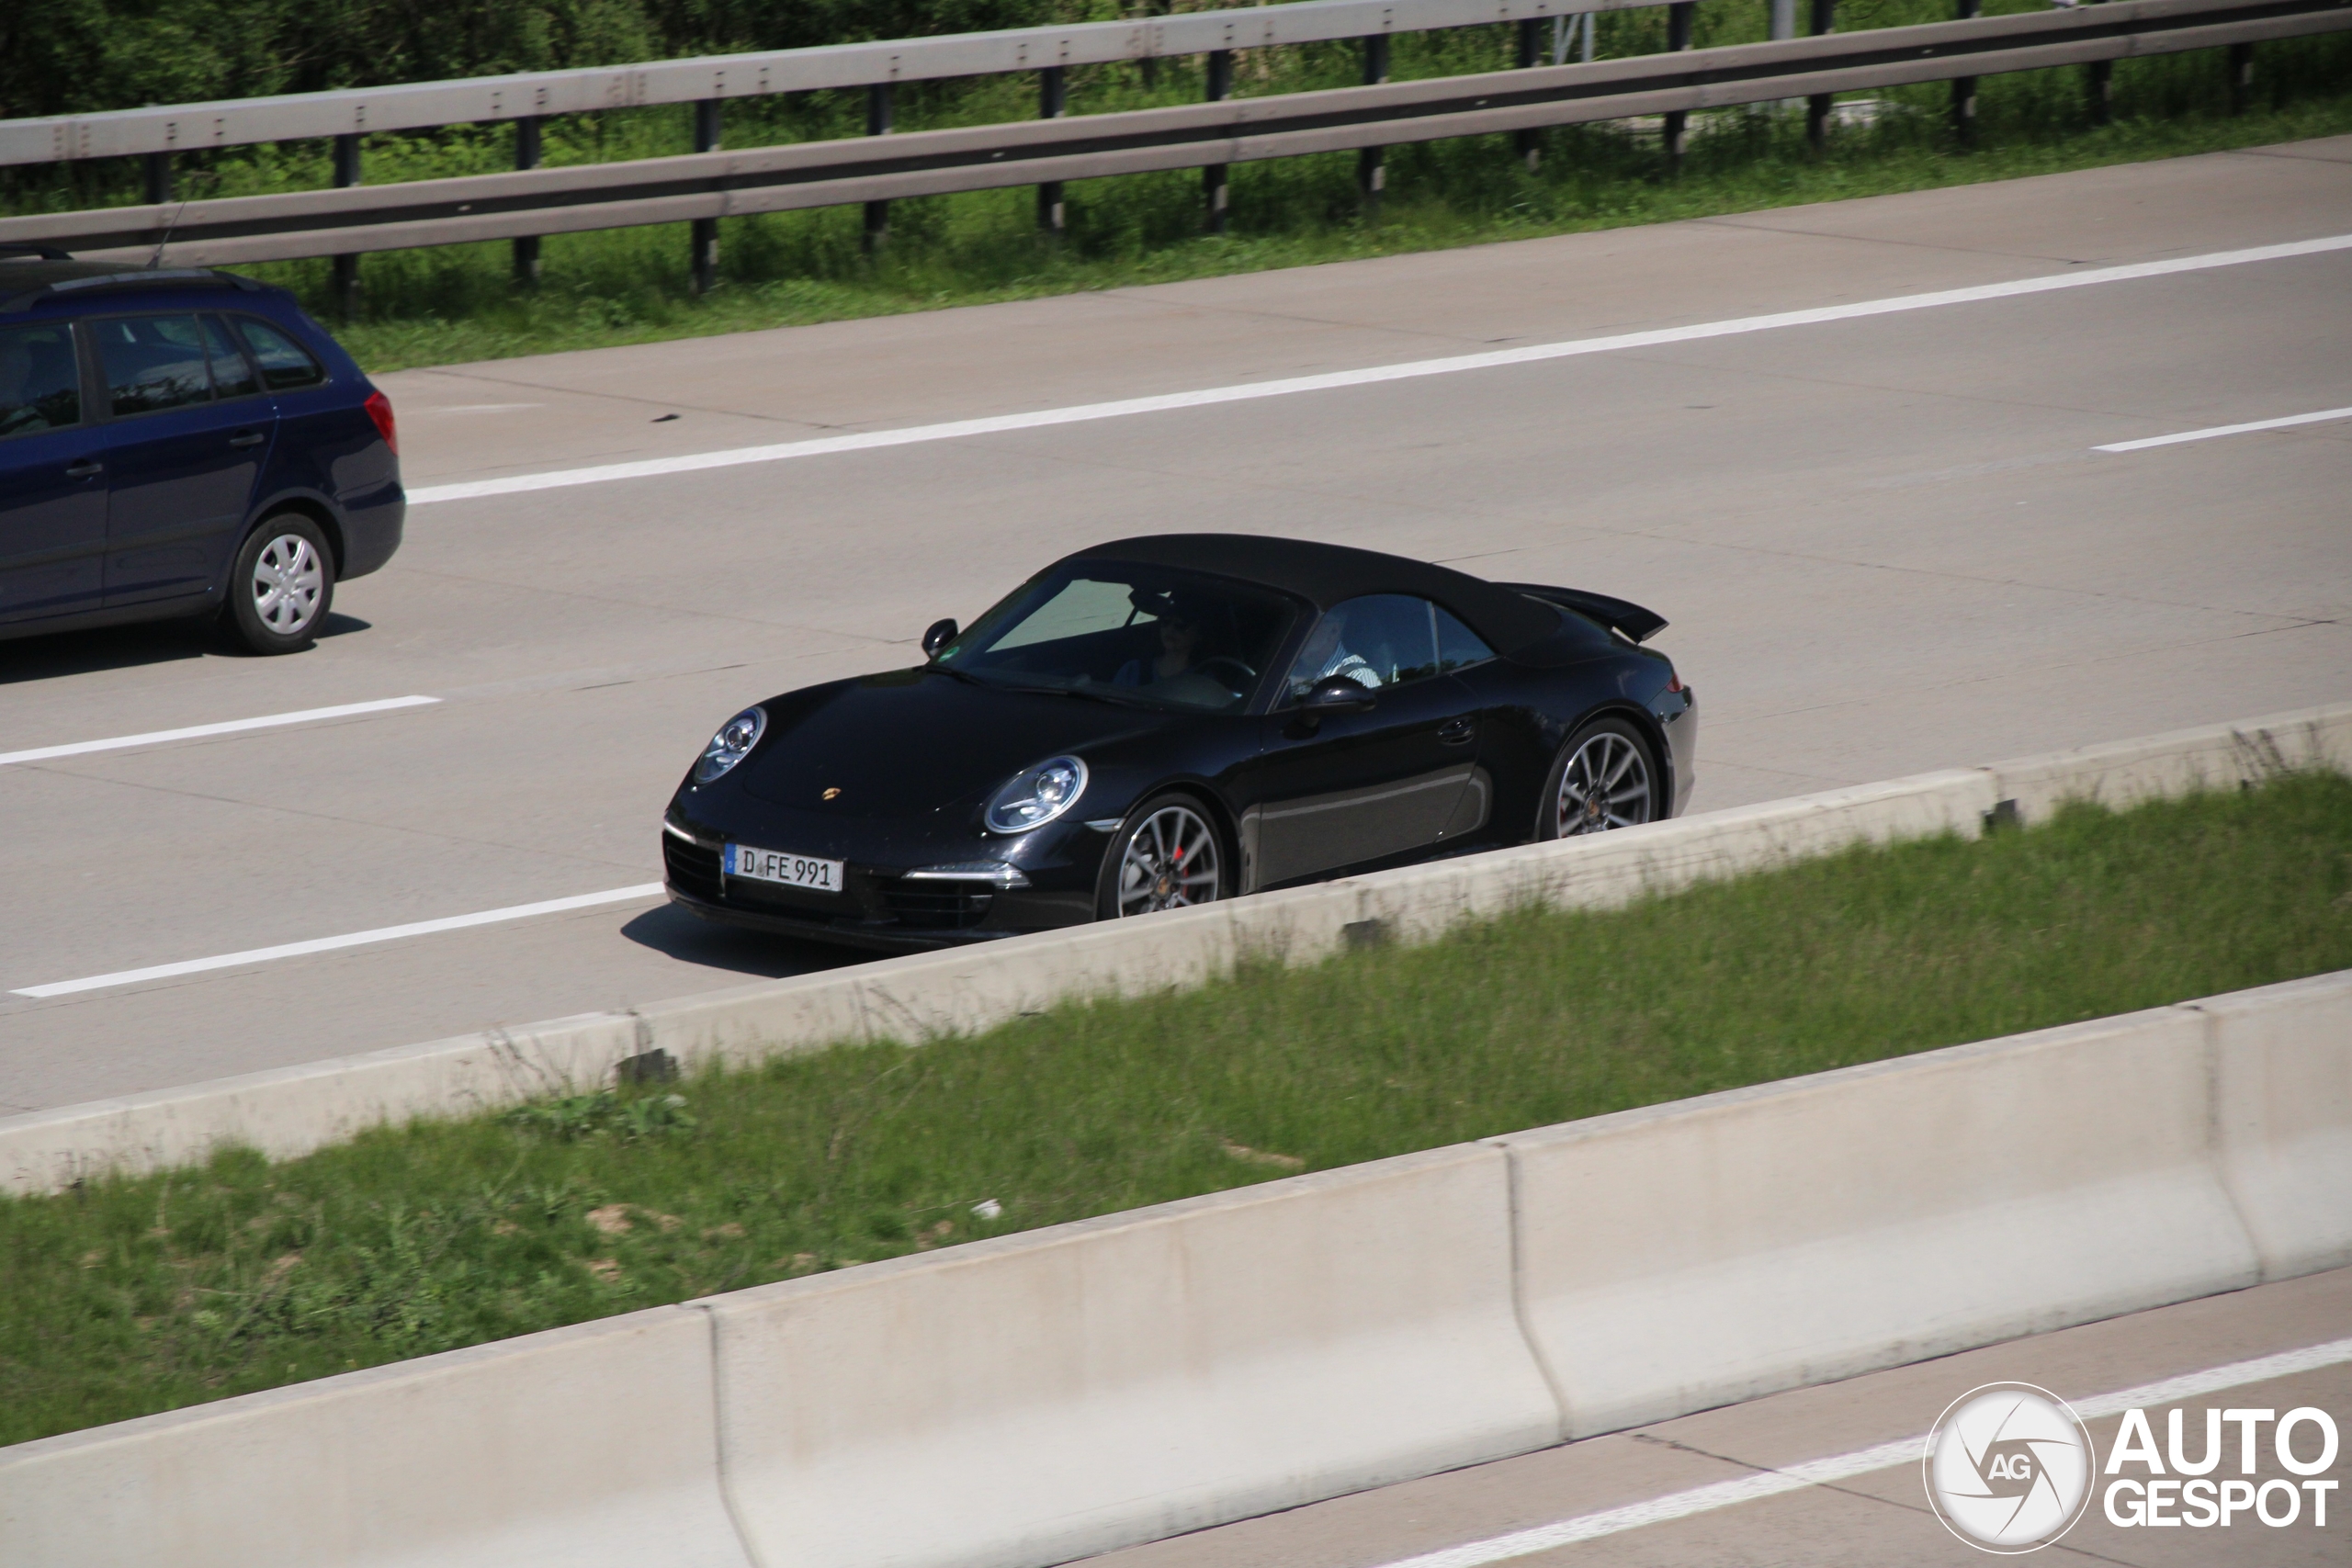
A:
x: 1454, y: 731
x: 84, y: 470
x: 247, y: 438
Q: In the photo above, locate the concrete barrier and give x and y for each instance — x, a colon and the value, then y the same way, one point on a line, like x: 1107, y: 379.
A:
x: 1023, y: 1401
x: 2283, y: 1085
x: 291, y: 1111
x: 1714, y: 1250
x: 2214, y: 756
x: 589, y: 1447
x: 1079, y: 1389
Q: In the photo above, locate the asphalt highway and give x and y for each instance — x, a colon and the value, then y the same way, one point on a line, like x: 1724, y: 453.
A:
x: 1653, y: 1496
x: 1886, y: 541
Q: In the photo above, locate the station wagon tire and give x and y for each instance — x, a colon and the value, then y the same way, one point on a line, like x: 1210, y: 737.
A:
x: 1166, y: 854
x: 282, y: 585
x: 1603, y: 778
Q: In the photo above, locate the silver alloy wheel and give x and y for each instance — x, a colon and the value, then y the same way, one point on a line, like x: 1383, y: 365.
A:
x: 1606, y: 784
x: 1170, y: 862
x: 287, y: 581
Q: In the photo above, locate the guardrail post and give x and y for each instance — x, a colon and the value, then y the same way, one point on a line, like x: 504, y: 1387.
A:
x: 1529, y: 145
x: 2099, y: 89
x: 159, y: 178
x: 1963, y: 88
x: 1213, y: 193
x: 704, y: 241
x: 1371, y: 169
x: 527, y: 157
x: 1678, y: 18
x: 878, y: 123
x: 2240, y: 77
x: 344, y: 282
x: 1816, y: 107
x: 1149, y: 64
x: 1052, y: 102
x: 702, y: 256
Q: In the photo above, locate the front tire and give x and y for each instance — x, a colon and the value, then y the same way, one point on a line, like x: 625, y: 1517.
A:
x: 1166, y: 855
x: 280, y: 586
x: 1602, y: 779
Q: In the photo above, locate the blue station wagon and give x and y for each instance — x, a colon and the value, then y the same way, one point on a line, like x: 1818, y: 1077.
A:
x: 182, y: 443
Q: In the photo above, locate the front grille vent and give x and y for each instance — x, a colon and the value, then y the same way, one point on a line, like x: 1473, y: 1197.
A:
x: 936, y: 906
x: 691, y: 868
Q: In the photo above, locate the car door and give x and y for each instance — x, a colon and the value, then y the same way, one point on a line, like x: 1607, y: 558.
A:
x: 53, y: 478
x: 1463, y: 655
x: 320, y: 425
x: 188, y: 427
x: 1337, y: 789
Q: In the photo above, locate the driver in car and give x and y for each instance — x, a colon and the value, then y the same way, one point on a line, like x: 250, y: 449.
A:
x: 1180, y: 635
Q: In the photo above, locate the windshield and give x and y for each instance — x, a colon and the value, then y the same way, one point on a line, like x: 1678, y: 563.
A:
x: 1142, y: 634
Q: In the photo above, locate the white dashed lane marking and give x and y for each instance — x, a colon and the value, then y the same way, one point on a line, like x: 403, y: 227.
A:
x: 197, y: 731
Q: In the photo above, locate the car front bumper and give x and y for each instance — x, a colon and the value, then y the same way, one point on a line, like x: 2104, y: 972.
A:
x: 879, y: 906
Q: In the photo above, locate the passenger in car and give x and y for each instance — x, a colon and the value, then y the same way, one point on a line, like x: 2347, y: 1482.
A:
x: 1327, y: 654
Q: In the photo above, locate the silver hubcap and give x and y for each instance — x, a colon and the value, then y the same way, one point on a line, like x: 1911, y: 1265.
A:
x: 1607, y: 785
x: 1170, y: 862
x: 287, y: 581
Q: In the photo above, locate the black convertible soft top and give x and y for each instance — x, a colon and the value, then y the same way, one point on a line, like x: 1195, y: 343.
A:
x: 1324, y: 575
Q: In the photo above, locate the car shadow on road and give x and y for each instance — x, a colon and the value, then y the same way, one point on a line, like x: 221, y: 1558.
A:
x: 59, y: 654
x: 672, y: 932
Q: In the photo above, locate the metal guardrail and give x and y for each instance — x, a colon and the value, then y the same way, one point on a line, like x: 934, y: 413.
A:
x: 705, y: 186
x: 187, y: 128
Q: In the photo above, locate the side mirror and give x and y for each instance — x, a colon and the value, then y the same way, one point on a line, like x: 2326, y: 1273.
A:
x: 939, y: 636
x: 1336, y: 694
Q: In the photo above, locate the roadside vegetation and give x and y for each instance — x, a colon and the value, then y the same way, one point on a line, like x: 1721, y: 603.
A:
x: 457, y: 303
x: 129, y: 1296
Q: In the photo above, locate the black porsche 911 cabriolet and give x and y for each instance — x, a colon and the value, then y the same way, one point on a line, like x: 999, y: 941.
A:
x: 1171, y: 720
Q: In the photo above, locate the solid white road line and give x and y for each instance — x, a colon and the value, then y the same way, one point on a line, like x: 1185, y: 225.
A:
x: 1083, y: 413
x: 2211, y: 431
x: 1844, y: 1467
x: 157, y: 737
x: 329, y: 943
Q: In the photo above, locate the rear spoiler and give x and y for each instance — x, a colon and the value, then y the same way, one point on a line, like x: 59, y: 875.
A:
x: 1628, y: 620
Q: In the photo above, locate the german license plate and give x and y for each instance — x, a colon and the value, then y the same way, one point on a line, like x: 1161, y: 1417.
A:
x: 783, y: 868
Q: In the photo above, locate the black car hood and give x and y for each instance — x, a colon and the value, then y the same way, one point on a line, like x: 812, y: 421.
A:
x: 913, y: 741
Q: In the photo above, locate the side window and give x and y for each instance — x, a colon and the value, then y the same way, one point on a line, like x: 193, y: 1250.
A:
x: 153, y: 363
x: 1458, y: 647
x: 284, y: 364
x: 232, y: 374
x: 41, y: 385
x: 1381, y: 639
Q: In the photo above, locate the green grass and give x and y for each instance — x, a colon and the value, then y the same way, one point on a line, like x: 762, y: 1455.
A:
x: 129, y: 1296
x: 455, y: 303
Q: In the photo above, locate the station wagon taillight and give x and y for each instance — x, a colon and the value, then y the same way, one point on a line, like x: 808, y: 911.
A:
x: 379, y: 408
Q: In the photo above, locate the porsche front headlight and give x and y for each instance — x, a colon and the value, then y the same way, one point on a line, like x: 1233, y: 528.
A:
x: 1037, y: 796
x: 731, y: 744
